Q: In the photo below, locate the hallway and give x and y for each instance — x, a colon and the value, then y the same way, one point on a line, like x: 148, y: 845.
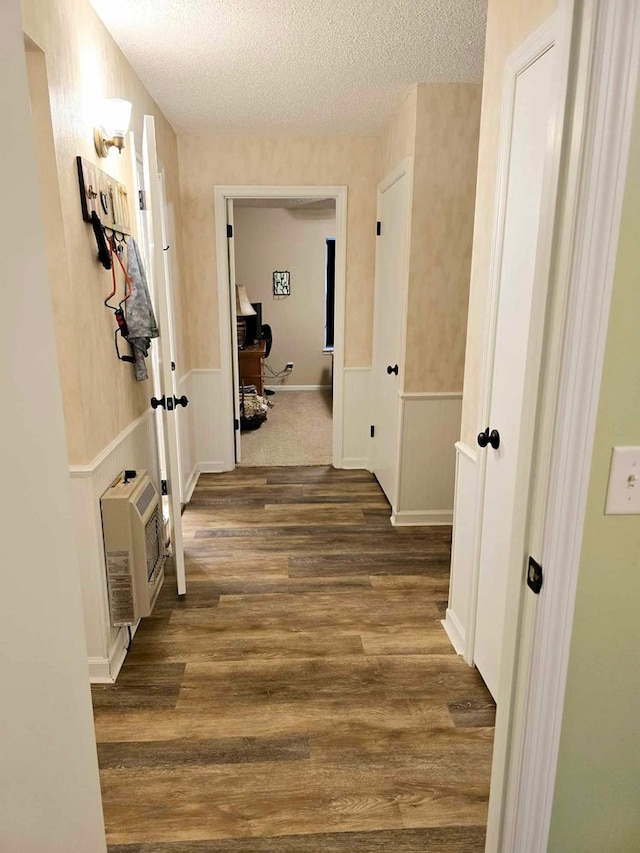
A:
x: 304, y: 696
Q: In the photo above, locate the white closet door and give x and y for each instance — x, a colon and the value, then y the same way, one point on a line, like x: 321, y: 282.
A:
x: 391, y: 257
x: 533, y: 111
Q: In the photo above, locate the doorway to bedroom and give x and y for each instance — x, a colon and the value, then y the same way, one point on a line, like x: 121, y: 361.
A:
x: 284, y: 326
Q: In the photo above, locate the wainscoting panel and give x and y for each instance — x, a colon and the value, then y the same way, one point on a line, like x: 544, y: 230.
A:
x: 213, y: 450
x: 135, y: 447
x: 429, y: 428
x: 357, y: 417
x: 456, y: 622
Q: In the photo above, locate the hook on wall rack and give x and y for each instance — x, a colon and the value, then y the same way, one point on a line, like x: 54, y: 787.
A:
x: 102, y: 194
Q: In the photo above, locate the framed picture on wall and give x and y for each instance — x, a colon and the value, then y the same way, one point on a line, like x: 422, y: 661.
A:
x: 281, y: 283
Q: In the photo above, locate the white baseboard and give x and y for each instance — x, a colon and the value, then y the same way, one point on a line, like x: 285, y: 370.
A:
x: 422, y: 518
x: 298, y: 387
x: 100, y: 671
x: 216, y: 467
x: 106, y: 670
x: 455, y: 631
x: 356, y: 463
x: 463, y: 578
x: 190, y: 485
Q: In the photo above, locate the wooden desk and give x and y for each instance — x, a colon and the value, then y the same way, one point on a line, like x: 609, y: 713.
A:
x: 251, y: 365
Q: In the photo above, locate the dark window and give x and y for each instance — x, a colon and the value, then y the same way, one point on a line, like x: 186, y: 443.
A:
x: 329, y: 293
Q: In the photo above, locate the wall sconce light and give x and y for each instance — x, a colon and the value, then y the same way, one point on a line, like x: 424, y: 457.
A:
x: 115, y: 116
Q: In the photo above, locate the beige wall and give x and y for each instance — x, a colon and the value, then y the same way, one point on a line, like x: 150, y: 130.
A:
x: 437, y: 125
x: 294, y: 239
x: 209, y: 161
x: 509, y: 22
x: 83, y: 66
x: 597, y: 793
x: 444, y: 183
x: 399, y: 137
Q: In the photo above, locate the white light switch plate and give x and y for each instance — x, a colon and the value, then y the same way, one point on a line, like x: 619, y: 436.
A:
x: 623, y: 494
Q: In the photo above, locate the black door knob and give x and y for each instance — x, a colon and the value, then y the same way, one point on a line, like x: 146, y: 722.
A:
x: 155, y: 402
x: 181, y: 401
x: 492, y: 438
x: 393, y: 369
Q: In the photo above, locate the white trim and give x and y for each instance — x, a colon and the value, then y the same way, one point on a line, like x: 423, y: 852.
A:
x: 221, y: 195
x: 613, y: 71
x: 106, y: 670
x: 556, y: 33
x: 454, y: 631
x: 191, y: 483
x: 422, y: 518
x: 464, y: 450
x: 537, y: 44
x: 200, y: 370
x: 213, y: 467
x: 89, y: 470
x: 298, y: 387
x: 356, y: 462
x: 404, y: 167
x: 430, y: 395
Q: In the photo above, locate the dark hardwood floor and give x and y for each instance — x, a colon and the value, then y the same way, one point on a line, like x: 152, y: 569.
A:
x: 303, y: 697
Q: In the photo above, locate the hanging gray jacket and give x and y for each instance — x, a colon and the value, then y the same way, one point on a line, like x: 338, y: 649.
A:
x: 139, y: 310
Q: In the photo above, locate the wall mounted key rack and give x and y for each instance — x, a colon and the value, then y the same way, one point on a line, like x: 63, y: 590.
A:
x: 101, y: 193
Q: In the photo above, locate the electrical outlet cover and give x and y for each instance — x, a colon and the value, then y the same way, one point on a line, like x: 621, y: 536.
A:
x: 623, y: 494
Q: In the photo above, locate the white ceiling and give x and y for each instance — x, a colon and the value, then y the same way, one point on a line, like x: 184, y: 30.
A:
x: 302, y: 67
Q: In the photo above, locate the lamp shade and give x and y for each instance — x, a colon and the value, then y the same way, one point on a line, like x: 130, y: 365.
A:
x: 116, y: 116
x: 243, y: 306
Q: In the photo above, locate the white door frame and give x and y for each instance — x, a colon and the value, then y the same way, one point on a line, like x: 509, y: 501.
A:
x: 604, y: 73
x: 153, y: 188
x: 404, y: 167
x: 221, y: 195
x: 169, y: 248
x: 605, y: 82
x: 549, y: 35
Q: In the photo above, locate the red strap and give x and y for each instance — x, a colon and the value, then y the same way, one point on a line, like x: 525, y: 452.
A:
x: 127, y: 279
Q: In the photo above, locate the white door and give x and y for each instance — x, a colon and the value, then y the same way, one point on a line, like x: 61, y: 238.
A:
x: 512, y: 360
x: 154, y: 353
x: 234, y: 329
x: 391, y: 256
x: 169, y: 254
x: 156, y: 274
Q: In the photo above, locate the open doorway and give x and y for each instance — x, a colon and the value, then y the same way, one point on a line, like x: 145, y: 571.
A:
x: 285, y: 306
x: 281, y: 254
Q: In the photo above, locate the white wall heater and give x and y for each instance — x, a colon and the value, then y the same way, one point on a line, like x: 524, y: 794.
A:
x: 134, y: 548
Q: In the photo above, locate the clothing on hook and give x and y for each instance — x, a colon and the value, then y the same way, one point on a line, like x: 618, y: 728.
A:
x: 141, y: 318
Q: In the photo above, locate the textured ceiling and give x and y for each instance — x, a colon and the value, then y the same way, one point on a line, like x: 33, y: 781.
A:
x: 302, y: 67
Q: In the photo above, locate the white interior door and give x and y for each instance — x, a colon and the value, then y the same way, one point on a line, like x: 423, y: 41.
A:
x: 157, y: 274
x: 512, y: 360
x: 153, y: 361
x: 391, y: 251
x: 234, y: 329
x: 169, y: 254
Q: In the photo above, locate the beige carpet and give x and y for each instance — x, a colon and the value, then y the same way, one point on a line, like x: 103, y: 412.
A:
x: 297, y: 431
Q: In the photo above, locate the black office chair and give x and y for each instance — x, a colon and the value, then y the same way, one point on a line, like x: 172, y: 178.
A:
x: 267, y: 337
